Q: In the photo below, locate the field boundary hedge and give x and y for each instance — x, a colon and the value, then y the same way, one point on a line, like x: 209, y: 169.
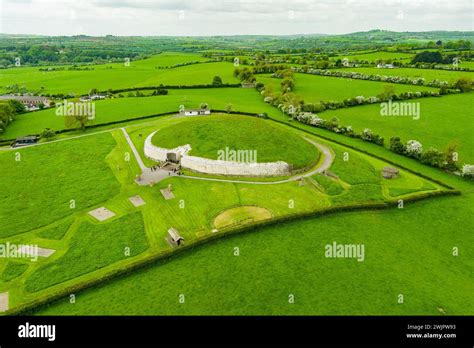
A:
x: 149, y: 88
x: 165, y: 256
x: 424, y: 176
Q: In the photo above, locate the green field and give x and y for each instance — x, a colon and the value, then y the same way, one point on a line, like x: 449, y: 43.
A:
x: 400, y: 259
x: 71, y: 232
x: 250, y: 243
x: 122, y: 109
x: 32, y: 185
x: 313, y: 88
x: 115, y: 76
x: 209, y: 135
x: 442, y: 121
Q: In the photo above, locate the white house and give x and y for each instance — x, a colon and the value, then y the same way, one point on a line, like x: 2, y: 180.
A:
x: 197, y: 112
x: 385, y: 66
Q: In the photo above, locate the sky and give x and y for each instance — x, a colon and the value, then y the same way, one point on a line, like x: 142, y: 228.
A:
x: 230, y: 17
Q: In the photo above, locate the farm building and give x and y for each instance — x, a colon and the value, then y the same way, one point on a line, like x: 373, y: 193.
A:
x: 24, y: 141
x: 385, y: 66
x: 174, y: 237
x: 197, y: 112
x: 30, y: 102
x: 92, y: 97
x: 390, y: 173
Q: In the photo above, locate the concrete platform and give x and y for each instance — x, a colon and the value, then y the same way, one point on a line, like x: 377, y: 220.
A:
x: 101, y: 214
x: 4, y: 302
x: 167, y: 194
x: 137, y: 201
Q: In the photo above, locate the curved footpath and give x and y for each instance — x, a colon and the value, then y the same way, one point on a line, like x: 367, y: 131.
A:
x: 152, y: 177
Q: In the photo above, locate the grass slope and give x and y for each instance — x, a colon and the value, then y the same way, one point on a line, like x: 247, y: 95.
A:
x: 313, y: 88
x: 209, y: 135
x: 400, y: 258
x: 442, y: 121
x: 115, y: 76
x: 93, y: 247
x: 122, y: 109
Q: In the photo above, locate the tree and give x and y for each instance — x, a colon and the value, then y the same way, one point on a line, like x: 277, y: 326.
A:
x: 464, y: 84
x: 47, y: 133
x: 7, y: 114
x: 74, y: 121
x: 388, y: 92
x: 433, y: 157
x: 396, y: 145
x: 287, y: 85
x: 217, y: 81
x: 17, y: 106
x: 228, y: 108
x: 414, y: 148
x: 428, y: 57
x: 451, y: 156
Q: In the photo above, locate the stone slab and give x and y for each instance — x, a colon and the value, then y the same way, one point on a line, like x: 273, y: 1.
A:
x: 137, y: 201
x: 167, y: 193
x: 4, y: 302
x: 101, y: 214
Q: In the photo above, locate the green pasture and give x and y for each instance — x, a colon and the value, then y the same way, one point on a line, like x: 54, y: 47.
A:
x: 124, y: 109
x: 103, y: 77
x: 314, y: 89
x: 76, y: 236
x: 209, y: 136
x: 443, y: 121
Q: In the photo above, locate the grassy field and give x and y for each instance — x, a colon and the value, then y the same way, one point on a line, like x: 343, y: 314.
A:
x: 442, y: 121
x: 210, y: 135
x: 75, y: 236
x: 313, y: 88
x: 427, y: 74
x: 115, y: 76
x: 92, y: 247
x: 122, y: 109
x: 398, y: 259
x: 408, y: 251
x: 37, y: 189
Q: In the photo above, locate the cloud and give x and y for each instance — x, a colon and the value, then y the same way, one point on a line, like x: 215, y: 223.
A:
x: 226, y: 17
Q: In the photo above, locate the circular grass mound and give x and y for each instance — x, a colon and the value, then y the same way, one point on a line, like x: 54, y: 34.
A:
x: 241, y: 215
x: 210, y: 135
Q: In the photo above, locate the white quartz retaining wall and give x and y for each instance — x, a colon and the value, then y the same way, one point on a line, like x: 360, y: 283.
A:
x: 204, y: 165
x: 209, y: 166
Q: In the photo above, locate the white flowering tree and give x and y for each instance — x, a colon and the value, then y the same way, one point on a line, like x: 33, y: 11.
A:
x: 414, y: 148
x: 468, y: 170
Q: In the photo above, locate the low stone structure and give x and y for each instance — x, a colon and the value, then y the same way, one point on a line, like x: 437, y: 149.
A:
x: 209, y: 166
x: 137, y: 201
x: 390, y: 173
x: 101, y: 214
x: 4, y: 302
